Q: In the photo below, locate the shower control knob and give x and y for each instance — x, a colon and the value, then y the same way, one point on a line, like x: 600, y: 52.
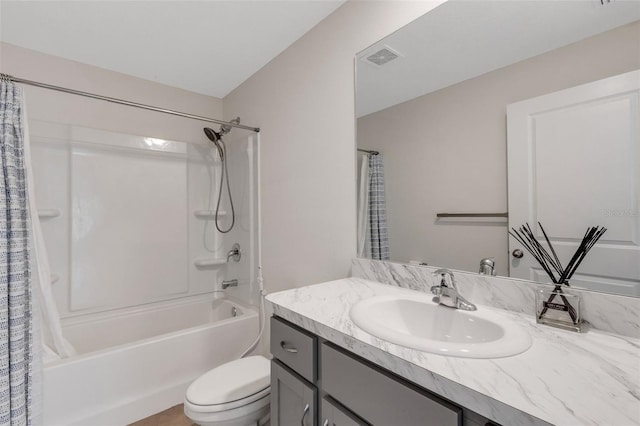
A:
x: 234, y: 253
x: 518, y: 254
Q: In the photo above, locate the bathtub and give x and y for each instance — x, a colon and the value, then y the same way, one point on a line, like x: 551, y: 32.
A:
x: 136, y: 362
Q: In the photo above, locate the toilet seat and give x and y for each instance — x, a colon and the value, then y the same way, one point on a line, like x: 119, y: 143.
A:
x: 215, y: 408
x: 231, y: 394
x: 256, y: 412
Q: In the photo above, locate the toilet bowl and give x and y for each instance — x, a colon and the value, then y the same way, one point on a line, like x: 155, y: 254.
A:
x: 234, y: 394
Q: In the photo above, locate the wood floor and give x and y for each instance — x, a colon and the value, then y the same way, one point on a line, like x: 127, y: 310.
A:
x: 174, y: 416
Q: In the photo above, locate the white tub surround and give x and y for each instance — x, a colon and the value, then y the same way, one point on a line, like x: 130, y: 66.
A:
x: 127, y: 218
x: 135, y: 363
x: 565, y: 378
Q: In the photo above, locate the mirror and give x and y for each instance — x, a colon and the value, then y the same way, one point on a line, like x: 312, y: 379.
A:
x: 437, y: 100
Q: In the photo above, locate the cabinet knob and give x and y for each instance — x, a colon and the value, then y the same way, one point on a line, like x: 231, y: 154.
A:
x: 288, y: 348
x: 304, y: 414
x: 326, y: 422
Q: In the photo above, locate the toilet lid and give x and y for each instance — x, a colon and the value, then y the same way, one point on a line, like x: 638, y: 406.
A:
x: 232, y: 381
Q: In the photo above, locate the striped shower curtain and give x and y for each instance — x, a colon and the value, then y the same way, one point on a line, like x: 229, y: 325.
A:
x: 16, y: 301
x: 379, y: 242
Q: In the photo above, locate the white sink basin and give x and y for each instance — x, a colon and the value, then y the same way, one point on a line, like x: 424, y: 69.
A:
x: 415, y: 321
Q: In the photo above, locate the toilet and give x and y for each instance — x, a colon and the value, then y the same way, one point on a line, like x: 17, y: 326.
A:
x: 233, y: 394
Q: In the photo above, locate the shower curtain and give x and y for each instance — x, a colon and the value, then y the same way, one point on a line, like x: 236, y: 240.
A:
x: 25, y: 283
x: 16, y: 296
x: 377, y: 209
x: 364, y: 238
x: 372, y: 211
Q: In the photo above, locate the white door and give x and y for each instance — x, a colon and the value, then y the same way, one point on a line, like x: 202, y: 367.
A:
x: 573, y: 161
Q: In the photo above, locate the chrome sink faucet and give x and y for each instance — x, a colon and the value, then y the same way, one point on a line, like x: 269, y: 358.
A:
x: 447, y: 294
x: 488, y: 266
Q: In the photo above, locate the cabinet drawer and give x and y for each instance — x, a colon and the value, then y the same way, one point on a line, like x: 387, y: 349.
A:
x: 294, y: 347
x: 378, y: 397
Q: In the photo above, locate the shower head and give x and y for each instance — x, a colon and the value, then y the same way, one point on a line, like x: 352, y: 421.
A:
x: 216, y: 138
x: 213, y: 135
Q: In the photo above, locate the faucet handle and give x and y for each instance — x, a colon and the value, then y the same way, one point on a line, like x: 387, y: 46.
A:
x: 234, y: 253
x: 443, y: 272
x: 448, y: 295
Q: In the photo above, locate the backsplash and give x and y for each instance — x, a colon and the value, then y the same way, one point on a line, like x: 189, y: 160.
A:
x: 606, y: 312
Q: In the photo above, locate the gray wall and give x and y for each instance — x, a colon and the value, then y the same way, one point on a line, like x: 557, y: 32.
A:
x: 48, y: 105
x: 303, y: 101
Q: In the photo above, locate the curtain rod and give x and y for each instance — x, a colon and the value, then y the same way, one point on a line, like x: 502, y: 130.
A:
x: 439, y: 215
x: 8, y: 77
x: 368, y: 151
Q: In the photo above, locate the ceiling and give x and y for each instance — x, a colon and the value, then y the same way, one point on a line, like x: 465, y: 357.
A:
x: 206, y: 46
x: 462, y: 39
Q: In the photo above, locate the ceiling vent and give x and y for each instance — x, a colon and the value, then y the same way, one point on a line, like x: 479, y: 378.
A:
x: 382, y: 56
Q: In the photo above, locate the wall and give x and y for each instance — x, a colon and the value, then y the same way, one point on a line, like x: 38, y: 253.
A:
x: 48, y: 105
x: 303, y: 101
x: 446, y: 151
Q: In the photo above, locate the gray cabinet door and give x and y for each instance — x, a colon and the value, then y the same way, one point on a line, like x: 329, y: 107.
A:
x: 333, y: 415
x: 293, y: 399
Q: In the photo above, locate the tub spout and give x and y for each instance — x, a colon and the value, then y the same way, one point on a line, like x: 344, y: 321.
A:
x: 229, y: 283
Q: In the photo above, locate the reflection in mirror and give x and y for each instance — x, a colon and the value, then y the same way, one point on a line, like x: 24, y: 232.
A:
x: 504, y: 113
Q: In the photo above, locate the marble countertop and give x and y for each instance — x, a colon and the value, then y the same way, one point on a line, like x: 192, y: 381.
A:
x: 565, y: 378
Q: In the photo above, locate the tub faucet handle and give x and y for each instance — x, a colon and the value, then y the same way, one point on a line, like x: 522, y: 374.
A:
x: 234, y: 253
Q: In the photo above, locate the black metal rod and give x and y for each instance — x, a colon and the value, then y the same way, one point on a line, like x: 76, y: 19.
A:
x: 555, y: 255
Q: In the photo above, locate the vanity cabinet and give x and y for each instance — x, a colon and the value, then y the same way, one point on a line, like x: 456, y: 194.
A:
x: 293, y: 375
x: 332, y: 414
x: 293, y: 400
x: 316, y: 383
x: 379, y: 397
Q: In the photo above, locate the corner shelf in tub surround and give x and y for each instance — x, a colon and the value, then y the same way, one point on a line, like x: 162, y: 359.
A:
x: 208, y: 214
x: 209, y: 262
x: 48, y: 213
x: 564, y: 378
